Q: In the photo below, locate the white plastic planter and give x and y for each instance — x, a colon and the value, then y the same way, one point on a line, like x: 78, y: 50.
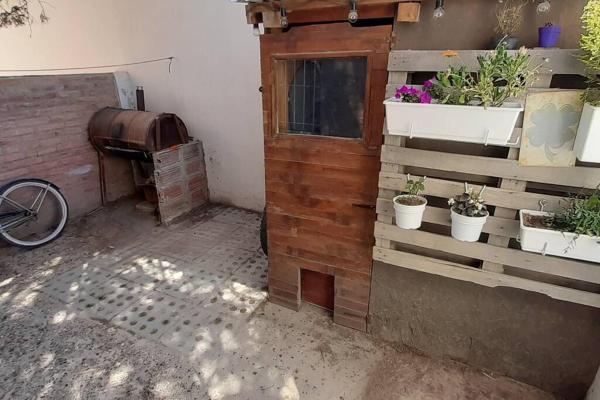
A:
x: 587, y: 143
x: 409, y: 217
x: 467, y: 229
x: 475, y: 124
x: 563, y: 244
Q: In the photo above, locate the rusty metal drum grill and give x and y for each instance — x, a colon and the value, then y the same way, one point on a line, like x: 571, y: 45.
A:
x: 135, y: 134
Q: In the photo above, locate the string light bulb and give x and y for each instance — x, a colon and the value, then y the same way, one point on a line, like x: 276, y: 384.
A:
x: 353, y: 13
x: 439, y: 11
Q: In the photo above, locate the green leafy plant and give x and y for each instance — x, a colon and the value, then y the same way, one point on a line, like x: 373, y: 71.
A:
x: 580, y: 216
x: 470, y: 203
x: 415, y: 187
x: 590, y: 46
x: 449, y: 86
x: 502, y: 76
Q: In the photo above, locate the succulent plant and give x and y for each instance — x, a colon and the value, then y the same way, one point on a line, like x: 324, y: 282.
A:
x: 470, y: 203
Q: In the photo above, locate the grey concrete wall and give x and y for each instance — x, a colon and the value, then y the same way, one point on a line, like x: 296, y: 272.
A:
x: 469, y: 24
x: 527, y: 336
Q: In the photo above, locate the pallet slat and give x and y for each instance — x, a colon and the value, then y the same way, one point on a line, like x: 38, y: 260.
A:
x: 485, y: 278
x: 584, y: 177
x: 493, y: 196
x: 441, y: 216
x: 483, y: 251
x: 555, y: 61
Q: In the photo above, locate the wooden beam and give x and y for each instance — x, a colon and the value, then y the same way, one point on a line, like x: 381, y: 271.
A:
x: 513, y: 199
x: 408, y: 12
x: 556, y: 266
x: 490, y: 279
x: 554, y: 61
x: 503, y: 227
x: 292, y: 5
x: 579, y: 177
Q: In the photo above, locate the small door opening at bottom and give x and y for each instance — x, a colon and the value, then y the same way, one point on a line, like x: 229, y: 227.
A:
x: 317, y: 288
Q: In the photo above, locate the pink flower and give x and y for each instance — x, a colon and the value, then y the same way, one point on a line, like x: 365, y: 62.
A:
x: 405, y: 90
x: 425, y: 98
x: 428, y: 84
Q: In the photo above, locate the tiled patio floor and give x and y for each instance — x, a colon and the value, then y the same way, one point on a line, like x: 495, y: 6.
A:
x: 121, y: 308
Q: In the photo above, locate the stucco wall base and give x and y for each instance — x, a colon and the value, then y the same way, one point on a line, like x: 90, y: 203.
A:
x: 527, y: 336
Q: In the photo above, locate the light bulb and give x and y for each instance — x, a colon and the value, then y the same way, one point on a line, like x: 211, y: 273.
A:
x: 439, y: 11
x: 543, y: 6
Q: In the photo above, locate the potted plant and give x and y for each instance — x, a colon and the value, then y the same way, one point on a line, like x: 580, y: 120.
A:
x: 509, y: 15
x: 549, y: 35
x: 460, y: 106
x: 587, y: 141
x: 409, y: 207
x: 469, y: 214
x: 572, y: 232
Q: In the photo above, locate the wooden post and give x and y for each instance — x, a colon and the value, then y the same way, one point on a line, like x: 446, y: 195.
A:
x: 408, y: 11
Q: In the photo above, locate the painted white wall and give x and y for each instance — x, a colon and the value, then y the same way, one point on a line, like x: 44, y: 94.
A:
x: 214, y: 82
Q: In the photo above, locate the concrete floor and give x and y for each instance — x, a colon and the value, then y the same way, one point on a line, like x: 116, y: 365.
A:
x: 122, y: 308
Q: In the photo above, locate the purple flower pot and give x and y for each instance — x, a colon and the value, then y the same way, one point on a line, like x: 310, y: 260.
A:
x: 549, y: 36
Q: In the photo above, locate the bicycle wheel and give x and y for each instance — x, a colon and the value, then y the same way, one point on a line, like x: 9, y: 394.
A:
x: 47, y: 216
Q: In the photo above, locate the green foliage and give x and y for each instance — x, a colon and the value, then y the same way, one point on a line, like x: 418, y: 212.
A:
x: 449, y: 86
x: 580, y: 216
x: 590, y: 46
x: 415, y: 187
x: 470, y: 203
x: 502, y: 76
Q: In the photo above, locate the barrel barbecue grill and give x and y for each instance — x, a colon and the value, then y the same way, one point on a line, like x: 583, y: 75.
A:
x: 135, y: 134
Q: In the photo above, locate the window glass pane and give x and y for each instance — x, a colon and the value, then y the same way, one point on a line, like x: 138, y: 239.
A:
x: 321, y: 96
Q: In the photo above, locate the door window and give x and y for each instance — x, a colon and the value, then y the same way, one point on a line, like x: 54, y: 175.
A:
x: 322, y: 97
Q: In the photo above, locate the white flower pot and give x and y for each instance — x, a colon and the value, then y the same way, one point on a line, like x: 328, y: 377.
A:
x: 466, y: 229
x: 587, y: 142
x: 475, y: 124
x: 563, y: 244
x: 409, y: 217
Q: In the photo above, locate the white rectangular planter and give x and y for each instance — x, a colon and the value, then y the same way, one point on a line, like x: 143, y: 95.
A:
x: 563, y: 244
x: 587, y: 143
x: 475, y: 124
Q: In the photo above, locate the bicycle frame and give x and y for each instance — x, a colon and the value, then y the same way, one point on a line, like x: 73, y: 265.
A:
x: 26, y: 214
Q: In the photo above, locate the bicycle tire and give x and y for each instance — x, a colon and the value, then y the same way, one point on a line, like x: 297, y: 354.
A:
x: 54, y: 191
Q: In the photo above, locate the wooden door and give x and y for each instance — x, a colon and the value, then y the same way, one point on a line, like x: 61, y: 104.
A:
x: 323, y: 88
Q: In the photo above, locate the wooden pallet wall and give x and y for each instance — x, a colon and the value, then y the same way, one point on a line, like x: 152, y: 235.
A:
x: 496, y: 260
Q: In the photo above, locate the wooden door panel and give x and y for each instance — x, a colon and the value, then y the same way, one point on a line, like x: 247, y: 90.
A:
x: 321, y: 190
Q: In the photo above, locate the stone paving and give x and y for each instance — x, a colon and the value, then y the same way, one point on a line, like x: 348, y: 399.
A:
x: 182, y: 313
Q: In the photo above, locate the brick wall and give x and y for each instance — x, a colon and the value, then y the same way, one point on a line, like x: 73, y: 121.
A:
x: 43, y: 134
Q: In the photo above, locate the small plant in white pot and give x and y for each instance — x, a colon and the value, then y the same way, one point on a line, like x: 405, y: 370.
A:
x: 587, y: 141
x: 572, y: 232
x: 469, y: 214
x: 409, y: 207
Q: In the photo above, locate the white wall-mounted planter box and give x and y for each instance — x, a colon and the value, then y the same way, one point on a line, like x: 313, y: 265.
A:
x: 475, y: 124
x: 562, y: 244
x: 587, y: 143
